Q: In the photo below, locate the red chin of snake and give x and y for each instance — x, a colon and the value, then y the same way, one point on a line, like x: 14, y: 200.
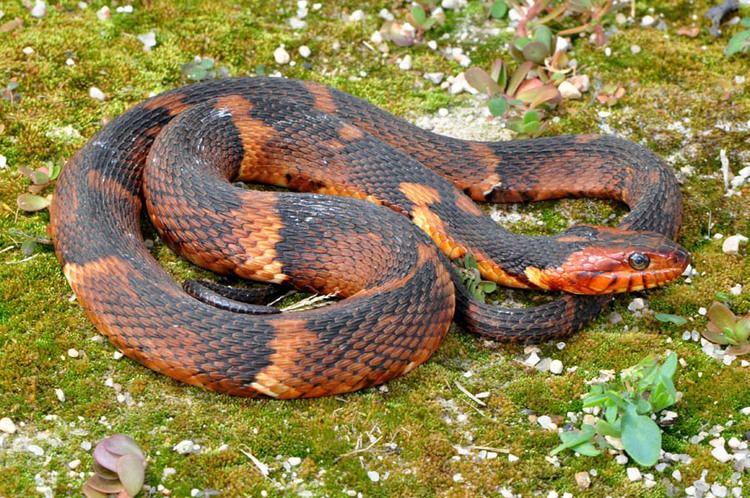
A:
x: 595, y: 271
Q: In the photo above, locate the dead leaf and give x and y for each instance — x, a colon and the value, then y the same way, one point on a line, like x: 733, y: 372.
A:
x: 690, y: 32
x: 11, y: 25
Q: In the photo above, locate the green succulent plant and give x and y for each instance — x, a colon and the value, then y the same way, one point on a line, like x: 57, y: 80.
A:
x: 725, y: 328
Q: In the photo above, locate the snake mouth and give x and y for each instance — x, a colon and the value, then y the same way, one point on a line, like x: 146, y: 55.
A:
x: 575, y: 277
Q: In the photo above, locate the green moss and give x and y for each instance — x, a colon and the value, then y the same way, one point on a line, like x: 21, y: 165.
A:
x: 422, y: 416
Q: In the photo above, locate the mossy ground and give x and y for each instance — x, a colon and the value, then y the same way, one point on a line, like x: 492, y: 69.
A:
x: 410, y: 428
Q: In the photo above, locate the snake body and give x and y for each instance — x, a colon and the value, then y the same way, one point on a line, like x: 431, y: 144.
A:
x: 181, y: 150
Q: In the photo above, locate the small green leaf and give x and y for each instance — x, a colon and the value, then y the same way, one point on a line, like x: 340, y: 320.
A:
x: 531, y: 117
x: 745, y: 22
x: 535, y: 52
x: 487, y: 287
x: 499, y: 9
x: 419, y: 15
x: 30, y: 202
x: 721, y: 316
x: 740, y: 42
x: 641, y: 437
x: 498, y: 106
x: 544, y: 35
x: 587, y: 449
x: 667, y: 318
x: 28, y: 247
x: 571, y: 439
x: 722, y: 296
x: 260, y: 70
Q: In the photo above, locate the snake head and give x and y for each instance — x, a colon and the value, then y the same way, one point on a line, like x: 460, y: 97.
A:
x: 603, y: 260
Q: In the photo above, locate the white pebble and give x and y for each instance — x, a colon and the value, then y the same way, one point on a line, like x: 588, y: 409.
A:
x: 731, y: 244
x: 745, y: 411
x: 634, y: 474
x: 117, y: 355
x: 125, y: 9
x: 556, y: 367
x: 718, y: 490
x: 532, y: 360
x: 27, y: 50
x: 148, y: 40
x: 458, y: 477
x: 96, y: 94
x: 736, y: 290
x: 386, y: 14
x: 546, y: 422
x: 677, y: 475
x: 356, y: 16
x: 185, y: 447
x: 721, y: 454
x: 7, y: 426
x: 621, y: 459
x: 702, y: 311
x: 635, y: 49
x: 647, y: 21
x: 104, y: 13
x: 73, y: 464
x: 39, y: 9
x: 73, y: 353
x: 405, y: 63
x: 607, y: 51
x: 434, y: 77
x: 60, y: 395
x: 568, y: 90
x: 281, y: 56
x: 373, y: 475
x: 305, y: 51
x: 512, y: 458
x: 432, y: 44
x: 294, y: 461
x: 637, y: 304
x: 36, y: 450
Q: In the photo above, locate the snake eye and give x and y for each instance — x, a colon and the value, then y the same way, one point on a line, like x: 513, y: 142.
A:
x: 639, y: 261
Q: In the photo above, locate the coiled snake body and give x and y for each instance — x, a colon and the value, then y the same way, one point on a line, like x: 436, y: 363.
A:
x: 400, y: 287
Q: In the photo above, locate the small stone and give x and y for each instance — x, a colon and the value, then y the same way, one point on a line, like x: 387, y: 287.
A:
x: 677, y: 475
x: 745, y: 411
x: 356, y: 16
x: 281, y: 56
x: 305, y: 51
x: 583, y: 479
x: 104, y: 13
x: 294, y: 461
x: 86, y: 445
x: 581, y: 81
x: 569, y: 91
x: 373, y: 475
x: 73, y: 464
x: 60, y: 395
x: 556, y: 367
x: 621, y: 460
x: 405, y: 63
x: 73, y: 353
x: 39, y: 9
x: 614, y: 318
x: 7, y: 426
x: 168, y: 472
x: 647, y: 21
x: 436, y: 78
x: 27, y: 50
x: 607, y: 51
x: 718, y: 490
x: 96, y: 94
x: 721, y: 454
x: 36, y: 450
x: 545, y: 421
x: 532, y: 359
x: 637, y: 304
x: 432, y: 44
x: 635, y: 49
x: 734, y: 443
x: 512, y: 458
x: 117, y: 355
x: 148, y: 40
x: 186, y: 447
x: 736, y: 290
x: 125, y: 9
x: 731, y: 244
x: 634, y: 474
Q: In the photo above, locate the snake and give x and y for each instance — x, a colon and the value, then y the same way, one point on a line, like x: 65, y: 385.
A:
x: 376, y: 210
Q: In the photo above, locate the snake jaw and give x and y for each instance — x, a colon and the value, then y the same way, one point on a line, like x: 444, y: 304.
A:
x: 603, y: 270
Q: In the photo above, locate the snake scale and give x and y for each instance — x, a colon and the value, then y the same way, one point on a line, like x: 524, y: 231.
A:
x: 385, y: 206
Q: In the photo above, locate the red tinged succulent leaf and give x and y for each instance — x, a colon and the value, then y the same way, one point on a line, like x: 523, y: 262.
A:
x: 90, y: 492
x: 105, y: 458
x: 31, y: 202
x: 120, y: 444
x: 103, y: 485
x: 479, y: 79
x: 720, y: 315
x: 131, y: 469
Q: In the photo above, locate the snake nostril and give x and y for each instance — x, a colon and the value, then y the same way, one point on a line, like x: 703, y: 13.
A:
x: 639, y: 261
